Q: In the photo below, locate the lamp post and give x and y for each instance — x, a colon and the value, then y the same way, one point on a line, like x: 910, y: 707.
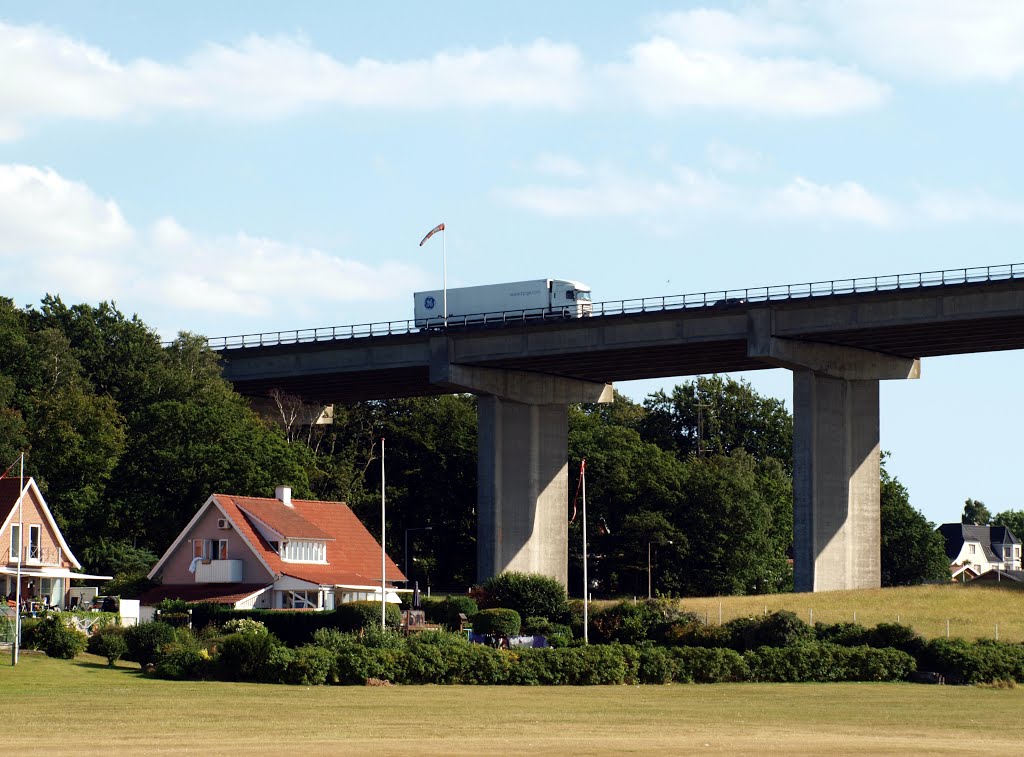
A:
x: 406, y: 551
x: 649, y: 544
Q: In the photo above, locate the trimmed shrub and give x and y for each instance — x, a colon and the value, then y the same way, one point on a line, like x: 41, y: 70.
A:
x: 656, y: 665
x: 983, y: 661
x: 108, y: 642
x: 60, y: 640
x: 696, y: 634
x: 709, y: 665
x: 311, y: 665
x: 258, y: 657
x: 545, y: 627
x: 145, y: 642
x: 574, y: 666
x: 452, y: 606
x: 499, y: 621
x: 32, y: 633
x: 529, y: 594
x: 357, y: 664
x: 356, y: 616
x: 633, y: 622
x: 179, y: 663
x: 822, y: 662
x: 779, y: 629
x: 896, y: 636
x: 845, y: 634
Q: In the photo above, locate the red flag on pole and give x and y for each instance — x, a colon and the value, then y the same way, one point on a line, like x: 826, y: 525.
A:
x: 583, y: 468
x: 9, y: 469
x: 439, y: 227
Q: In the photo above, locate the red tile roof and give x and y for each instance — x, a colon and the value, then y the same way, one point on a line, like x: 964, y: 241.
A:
x: 9, y: 490
x: 221, y: 594
x: 283, y: 519
x: 353, y: 557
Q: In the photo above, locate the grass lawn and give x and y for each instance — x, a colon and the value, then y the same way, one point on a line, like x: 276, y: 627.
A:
x: 973, y: 610
x: 81, y: 707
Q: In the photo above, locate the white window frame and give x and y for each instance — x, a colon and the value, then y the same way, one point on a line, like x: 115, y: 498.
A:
x: 36, y: 530
x: 15, y: 543
x: 222, y: 549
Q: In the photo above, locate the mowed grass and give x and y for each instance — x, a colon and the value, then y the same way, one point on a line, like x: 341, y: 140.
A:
x: 972, y: 609
x: 81, y: 707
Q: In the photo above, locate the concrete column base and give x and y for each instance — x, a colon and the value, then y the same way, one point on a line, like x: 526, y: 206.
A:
x: 523, y: 488
x: 836, y: 490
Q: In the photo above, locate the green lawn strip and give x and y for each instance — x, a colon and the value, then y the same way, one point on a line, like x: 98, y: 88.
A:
x: 92, y: 709
x: 973, y: 610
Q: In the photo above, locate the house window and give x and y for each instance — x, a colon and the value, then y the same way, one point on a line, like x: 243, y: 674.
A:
x: 35, y: 543
x: 970, y: 548
x: 15, y: 542
x: 1016, y: 552
x: 202, y: 548
x: 304, y: 551
x: 1006, y: 552
x: 222, y: 549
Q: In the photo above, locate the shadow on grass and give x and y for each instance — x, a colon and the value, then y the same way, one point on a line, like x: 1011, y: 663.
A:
x: 97, y: 666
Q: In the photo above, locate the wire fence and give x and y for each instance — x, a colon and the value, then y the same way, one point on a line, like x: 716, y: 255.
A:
x: 716, y: 299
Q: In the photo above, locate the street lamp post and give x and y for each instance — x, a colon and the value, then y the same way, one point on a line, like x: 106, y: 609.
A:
x: 406, y: 551
x: 649, y: 544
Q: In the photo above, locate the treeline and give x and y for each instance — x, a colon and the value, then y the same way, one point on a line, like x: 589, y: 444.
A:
x: 128, y: 437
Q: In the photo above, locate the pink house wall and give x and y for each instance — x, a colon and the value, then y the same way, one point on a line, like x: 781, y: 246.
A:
x: 175, y: 570
x: 33, y: 514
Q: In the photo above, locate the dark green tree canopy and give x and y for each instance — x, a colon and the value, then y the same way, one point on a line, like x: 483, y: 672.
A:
x: 976, y: 513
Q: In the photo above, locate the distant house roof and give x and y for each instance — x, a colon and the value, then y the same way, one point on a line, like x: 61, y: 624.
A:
x: 957, y: 534
x: 1016, y: 576
x: 353, y: 555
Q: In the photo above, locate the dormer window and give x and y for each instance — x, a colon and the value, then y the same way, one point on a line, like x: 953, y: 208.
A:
x: 302, y: 550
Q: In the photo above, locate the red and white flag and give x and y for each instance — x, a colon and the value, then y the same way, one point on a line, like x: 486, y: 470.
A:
x: 583, y: 472
x: 439, y: 227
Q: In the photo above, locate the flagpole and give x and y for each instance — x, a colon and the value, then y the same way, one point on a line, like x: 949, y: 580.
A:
x: 444, y: 264
x: 17, y: 589
x: 586, y: 584
x: 383, y: 553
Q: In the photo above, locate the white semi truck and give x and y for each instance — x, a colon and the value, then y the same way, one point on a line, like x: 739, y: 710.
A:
x: 494, y: 303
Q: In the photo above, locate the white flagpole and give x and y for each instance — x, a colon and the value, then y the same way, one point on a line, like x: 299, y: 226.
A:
x: 586, y: 584
x: 383, y: 552
x: 21, y: 552
x: 444, y: 263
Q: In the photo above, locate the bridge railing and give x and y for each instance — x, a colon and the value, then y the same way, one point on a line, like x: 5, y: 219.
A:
x: 717, y: 299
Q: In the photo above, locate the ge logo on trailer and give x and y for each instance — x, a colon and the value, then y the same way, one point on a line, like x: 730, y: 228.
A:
x: 429, y: 303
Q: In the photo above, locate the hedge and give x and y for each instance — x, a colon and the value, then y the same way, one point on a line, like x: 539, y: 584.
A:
x: 499, y: 621
x: 530, y: 594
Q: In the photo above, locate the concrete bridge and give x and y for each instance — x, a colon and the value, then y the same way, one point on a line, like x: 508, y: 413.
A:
x: 839, y: 339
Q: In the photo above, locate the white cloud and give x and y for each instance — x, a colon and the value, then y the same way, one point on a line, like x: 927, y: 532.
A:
x: 58, y: 236
x: 47, y: 73
x: 710, y: 29
x: 963, y: 207
x: 956, y: 40
x: 559, y: 165
x: 664, y: 75
x: 846, y: 201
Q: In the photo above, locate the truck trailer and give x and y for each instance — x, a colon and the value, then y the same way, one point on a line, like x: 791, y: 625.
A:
x: 497, y: 303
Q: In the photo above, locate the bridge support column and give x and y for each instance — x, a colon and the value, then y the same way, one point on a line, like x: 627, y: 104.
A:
x: 523, y: 467
x: 836, y: 455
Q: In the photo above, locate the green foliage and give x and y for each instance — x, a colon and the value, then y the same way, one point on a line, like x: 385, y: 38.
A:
x: 146, y: 640
x: 896, y: 636
x: 633, y: 622
x: 311, y: 665
x: 845, y: 634
x: 497, y: 621
x: 983, y: 661
x: 976, y: 513
x: 912, y: 551
x: 709, y: 665
x: 451, y: 606
x: 823, y: 662
x: 544, y: 627
x: 356, y: 616
x: 529, y: 594
x: 32, y: 633
x: 256, y: 657
x: 58, y: 639
x: 245, y: 626
x: 779, y: 629
x: 1011, y: 519
x: 108, y: 642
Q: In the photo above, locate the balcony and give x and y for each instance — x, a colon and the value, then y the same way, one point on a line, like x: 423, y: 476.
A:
x: 220, y: 572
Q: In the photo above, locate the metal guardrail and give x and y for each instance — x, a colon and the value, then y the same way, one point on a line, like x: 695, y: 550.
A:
x: 722, y: 298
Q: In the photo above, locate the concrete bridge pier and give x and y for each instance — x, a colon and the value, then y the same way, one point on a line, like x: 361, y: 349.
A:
x: 836, y: 455
x: 523, y: 471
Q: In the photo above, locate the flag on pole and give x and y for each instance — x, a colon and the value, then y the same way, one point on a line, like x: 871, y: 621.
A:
x: 439, y: 227
x: 9, y: 469
x: 583, y: 469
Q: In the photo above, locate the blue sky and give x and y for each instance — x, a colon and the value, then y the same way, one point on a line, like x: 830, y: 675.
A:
x: 228, y: 168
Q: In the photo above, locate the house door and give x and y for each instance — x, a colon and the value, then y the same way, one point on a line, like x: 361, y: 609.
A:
x: 35, y: 544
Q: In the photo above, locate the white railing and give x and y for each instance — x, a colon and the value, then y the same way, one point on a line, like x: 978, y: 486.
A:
x: 220, y: 572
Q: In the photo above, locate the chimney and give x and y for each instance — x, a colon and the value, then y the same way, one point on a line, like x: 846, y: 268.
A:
x: 284, y: 493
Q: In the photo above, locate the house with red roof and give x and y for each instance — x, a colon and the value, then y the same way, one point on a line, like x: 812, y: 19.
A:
x: 32, y: 547
x: 272, y: 553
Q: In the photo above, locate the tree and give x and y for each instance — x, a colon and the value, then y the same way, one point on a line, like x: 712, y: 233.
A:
x: 912, y: 551
x: 1011, y: 519
x: 716, y: 416
x: 976, y: 513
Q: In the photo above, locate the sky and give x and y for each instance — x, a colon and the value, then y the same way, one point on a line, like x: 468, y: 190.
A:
x: 225, y: 168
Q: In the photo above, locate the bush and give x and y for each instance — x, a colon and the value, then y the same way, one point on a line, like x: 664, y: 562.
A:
x: 822, y: 662
x: 108, y: 642
x: 257, y: 657
x: 358, y: 664
x: 356, y: 616
x: 983, y: 661
x: 634, y: 622
x: 545, y: 627
x: 146, y: 640
x: 779, y: 629
x: 498, y: 621
x: 709, y: 665
x: 31, y: 633
x: 60, y: 640
x: 179, y: 663
x: 656, y: 665
x: 529, y: 594
x: 896, y: 636
x: 312, y: 665
x: 574, y: 666
x: 845, y: 634
x: 450, y: 608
